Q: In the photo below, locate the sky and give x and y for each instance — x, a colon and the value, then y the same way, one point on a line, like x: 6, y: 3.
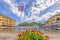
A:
x: 33, y: 10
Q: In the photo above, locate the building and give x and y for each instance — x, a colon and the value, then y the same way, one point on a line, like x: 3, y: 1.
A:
x: 6, y: 21
x: 53, y: 22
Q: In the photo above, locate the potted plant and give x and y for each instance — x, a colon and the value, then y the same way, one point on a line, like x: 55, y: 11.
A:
x: 32, y: 35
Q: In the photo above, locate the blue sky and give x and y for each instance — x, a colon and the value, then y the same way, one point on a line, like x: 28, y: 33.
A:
x: 33, y: 10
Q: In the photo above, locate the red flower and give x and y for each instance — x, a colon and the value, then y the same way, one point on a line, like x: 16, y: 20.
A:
x: 47, y: 37
x: 33, y: 30
x: 19, y: 35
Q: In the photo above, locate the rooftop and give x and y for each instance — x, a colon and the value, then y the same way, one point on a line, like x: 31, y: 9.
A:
x: 7, y: 17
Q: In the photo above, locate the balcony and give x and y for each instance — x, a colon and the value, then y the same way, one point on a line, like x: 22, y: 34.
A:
x: 58, y: 22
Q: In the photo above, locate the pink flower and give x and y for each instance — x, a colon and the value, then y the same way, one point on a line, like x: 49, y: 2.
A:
x: 47, y: 37
x: 41, y: 32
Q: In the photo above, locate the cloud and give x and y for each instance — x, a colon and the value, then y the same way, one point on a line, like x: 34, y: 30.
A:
x: 48, y: 15
x: 35, y: 10
x: 39, y: 5
x: 44, y: 17
x: 14, y: 8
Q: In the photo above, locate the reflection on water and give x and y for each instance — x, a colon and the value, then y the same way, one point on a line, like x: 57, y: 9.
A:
x: 20, y: 29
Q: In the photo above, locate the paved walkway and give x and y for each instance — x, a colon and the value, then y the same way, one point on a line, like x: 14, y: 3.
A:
x: 13, y: 36
x: 8, y: 36
x: 53, y: 35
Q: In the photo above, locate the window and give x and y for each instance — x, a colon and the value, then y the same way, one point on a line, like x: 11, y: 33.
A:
x: 4, y: 17
x: 51, y: 23
x: 58, y: 19
x: 3, y: 25
x: 0, y: 19
x: 3, y: 22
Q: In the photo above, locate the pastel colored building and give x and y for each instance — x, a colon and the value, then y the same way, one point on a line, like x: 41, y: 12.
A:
x: 53, y: 22
x: 6, y: 21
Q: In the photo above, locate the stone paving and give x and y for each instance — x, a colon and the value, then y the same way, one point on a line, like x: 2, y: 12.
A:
x: 53, y: 35
x: 13, y: 36
x: 8, y: 36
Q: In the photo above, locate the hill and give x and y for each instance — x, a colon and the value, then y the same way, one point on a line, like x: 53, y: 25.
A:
x: 30, y: 24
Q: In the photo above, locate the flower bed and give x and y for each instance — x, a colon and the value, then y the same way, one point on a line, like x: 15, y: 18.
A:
x: 32, y: 35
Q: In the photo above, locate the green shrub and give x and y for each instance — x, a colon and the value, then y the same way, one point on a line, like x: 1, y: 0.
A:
x: 32, y: 35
